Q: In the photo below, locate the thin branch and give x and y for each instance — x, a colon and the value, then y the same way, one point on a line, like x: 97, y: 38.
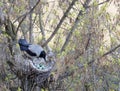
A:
x: 103, y: 2
x: 42, y: 30
x: 24, y: 16
x: 31, y: 39
x: 98, y: 4
x: 41, y: 27
x: 105, y: 54
x: 27, y: 12
x: 85, y: 5
x: 77, y: 20
x: 88, y: 41
x: 110, y: 51
x: 60, y: 23
x: 49, y: 14
x: 65, y: 75
x: 72, y: 29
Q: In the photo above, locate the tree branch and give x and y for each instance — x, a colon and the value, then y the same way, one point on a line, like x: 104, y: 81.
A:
x: 24, y: 15
x: 77, y: 20
x: 85, y: 5
x: 60, y: 23
x: 105, y: 54
x: 98, y: 4
x: 110, y: 51
x: 31, y: 39
x: 72, y: 29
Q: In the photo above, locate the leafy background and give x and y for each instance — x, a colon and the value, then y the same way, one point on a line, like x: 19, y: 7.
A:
x: 86, y: 43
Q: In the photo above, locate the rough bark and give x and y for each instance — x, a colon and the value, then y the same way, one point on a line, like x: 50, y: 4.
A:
x: 31, y: 71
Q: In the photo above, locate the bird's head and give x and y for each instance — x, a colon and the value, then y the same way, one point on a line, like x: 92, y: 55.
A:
x: 43, y: 54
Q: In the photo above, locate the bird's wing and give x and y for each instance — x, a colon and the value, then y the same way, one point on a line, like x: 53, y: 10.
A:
x: 35, y: 49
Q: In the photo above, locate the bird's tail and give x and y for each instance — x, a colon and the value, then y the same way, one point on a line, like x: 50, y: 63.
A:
x: 23, y: 44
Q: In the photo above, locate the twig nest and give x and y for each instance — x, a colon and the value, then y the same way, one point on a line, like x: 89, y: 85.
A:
x: 40, y: 65
x: 28, y: 66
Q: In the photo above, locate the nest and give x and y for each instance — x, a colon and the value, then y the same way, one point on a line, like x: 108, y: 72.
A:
x: 35, y: 70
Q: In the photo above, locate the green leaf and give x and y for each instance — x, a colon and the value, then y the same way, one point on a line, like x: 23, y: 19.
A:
x: 101, y: 50
x: 1, y: 3
x: 19, y: 89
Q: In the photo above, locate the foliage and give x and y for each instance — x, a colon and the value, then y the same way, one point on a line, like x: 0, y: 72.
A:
x: 85, y: 41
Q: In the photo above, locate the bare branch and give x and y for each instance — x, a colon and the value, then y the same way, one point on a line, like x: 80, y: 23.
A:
x: 103, y: 2
x: 31, y: 39
x: 110, y: 51
x: 98, y: 3
x: 60, y: 23
x: 71, y: 31
x: 85, y: 5
x: 88, y: 41
x: 42, y: 29
x: 77, y: 20
x: 24, y: 16
x: 105, y: 54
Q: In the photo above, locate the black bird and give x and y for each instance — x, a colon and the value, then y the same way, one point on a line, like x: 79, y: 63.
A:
x: 32, y: 49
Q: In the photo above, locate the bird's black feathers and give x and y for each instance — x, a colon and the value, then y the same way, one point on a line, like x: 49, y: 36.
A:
x: 32, y: 49
x: 23, y: 44
x: 43, y: 54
